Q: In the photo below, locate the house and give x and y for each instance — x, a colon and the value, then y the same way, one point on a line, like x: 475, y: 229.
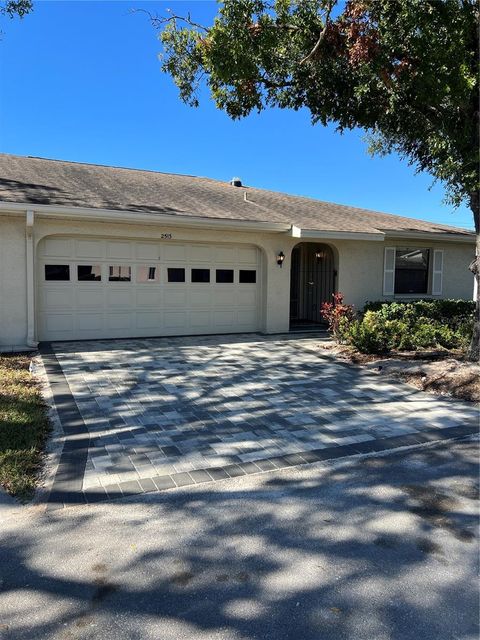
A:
x: 89, y: 251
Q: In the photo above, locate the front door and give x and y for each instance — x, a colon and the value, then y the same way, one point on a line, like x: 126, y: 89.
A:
x: 312, y: 282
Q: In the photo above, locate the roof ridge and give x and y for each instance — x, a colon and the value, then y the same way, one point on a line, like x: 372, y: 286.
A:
x: 109, y: 166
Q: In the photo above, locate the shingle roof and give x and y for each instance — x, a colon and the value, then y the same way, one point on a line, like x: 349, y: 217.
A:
x: 57, y: 182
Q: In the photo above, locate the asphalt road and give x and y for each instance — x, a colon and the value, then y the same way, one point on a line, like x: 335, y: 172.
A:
x: 374, y: 549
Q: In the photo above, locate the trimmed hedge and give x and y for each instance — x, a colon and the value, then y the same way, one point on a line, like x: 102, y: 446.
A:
x: 408, y: 326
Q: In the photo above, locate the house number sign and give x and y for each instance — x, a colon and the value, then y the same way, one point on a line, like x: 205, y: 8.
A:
x: 166, y: 236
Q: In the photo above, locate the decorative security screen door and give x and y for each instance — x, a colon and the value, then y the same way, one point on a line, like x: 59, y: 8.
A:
x: 312, y: 281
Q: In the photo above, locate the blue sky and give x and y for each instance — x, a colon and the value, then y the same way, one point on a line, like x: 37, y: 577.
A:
x: 81, y: 81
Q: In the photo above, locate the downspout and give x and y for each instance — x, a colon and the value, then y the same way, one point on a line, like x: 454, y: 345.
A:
x: 31, y: 342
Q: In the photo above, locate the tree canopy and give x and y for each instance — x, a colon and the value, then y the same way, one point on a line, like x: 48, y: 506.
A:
x: 405, y: 72
x: 13, y: 8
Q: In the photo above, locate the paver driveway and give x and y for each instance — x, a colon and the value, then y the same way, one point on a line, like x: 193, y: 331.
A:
x: 153, y: 414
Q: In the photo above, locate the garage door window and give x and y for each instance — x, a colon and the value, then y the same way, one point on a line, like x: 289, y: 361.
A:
x: 147, y: 273
x: 57, y: 272
x: 200, y: 275
x: 176, y: 275
x: 224, y: 276
x: 247, y: 276
x: 89, y: 273
x: 119, y: 274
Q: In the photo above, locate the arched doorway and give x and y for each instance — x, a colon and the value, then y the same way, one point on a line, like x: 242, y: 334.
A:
x: 312, y: 283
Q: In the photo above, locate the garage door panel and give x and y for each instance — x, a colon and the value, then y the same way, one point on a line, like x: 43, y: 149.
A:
x: 224, y: 319
x: 200, y: 320
x: 89, y: 322
x: 175, y: 319
x: 119, y: 250
x: 58, y: 322
x: 175, y: 297
x: 201, y: 298
x: 247, y: 318
x: 90, y: 249
x: 57, y: 247
x: 89, y: 298
x: 119, y: 297
x: 147, y: 296
x: 248, y: 255
x: 225, y: 255
x: 118, y: 321
x: 174, y: 252
x: 61, y: 298
x: 147, y: 305
x: 223, y: 298
x: 148, y: 320
x: 247, y: 297
x: 147, y: 251
x: 200, y: 253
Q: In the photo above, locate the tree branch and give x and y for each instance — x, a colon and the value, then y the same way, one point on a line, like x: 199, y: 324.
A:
x: 323, y: 32
x: 158, y: 22
x: 272, y: 84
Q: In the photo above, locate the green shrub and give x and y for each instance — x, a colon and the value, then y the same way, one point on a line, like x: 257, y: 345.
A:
x: 343, y: 329
x: 425, y: 336
x: 419, y: 324
x: 443, y: 310
x: 374, y: 334
x: 464, y: 331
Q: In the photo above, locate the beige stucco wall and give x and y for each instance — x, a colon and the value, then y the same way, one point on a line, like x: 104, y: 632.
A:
x: 360, y: 269
x: 359, y: 265
x: 13, y: 281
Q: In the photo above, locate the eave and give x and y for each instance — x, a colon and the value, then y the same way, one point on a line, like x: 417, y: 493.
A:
x: 436, y: 236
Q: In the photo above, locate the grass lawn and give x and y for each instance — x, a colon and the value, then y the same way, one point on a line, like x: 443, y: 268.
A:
x: 24, y: 426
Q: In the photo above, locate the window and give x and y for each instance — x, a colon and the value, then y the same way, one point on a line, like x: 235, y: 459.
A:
x: 247, y: 276
x: 224, y: 276
x: 176, y: 275
x: 145, y: 273
x: 411, y: 270
x: 57, y: 272
x: 119, y: 274
x: 89, y: 272
x: 200, y: 275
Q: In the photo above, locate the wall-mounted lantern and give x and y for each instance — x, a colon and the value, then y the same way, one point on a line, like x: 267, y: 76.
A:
x: 280, y: 258
x: 320, y: 255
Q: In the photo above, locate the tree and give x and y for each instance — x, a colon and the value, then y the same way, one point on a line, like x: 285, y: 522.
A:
x: 405, y: 71
x: 13, y: 8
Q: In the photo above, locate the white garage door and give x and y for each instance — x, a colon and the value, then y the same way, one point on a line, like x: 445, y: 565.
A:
x: 95, y: 288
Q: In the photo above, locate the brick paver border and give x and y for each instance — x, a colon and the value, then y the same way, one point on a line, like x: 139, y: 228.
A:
x: 68, y: 481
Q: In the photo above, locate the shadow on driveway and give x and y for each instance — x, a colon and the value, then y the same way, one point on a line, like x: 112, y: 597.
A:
x: 377, y: 549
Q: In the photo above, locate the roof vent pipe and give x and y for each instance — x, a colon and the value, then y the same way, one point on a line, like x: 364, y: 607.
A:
x: 236, y: 182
